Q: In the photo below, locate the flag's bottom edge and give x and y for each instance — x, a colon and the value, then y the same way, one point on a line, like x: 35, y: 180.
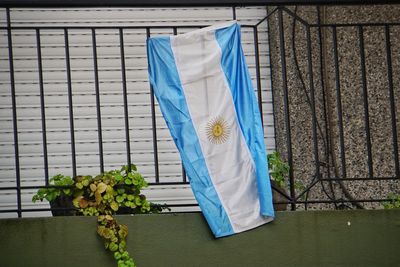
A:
x: 266, y: 219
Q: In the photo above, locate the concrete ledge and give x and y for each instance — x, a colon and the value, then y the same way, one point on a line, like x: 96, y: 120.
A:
x: 313, y: 238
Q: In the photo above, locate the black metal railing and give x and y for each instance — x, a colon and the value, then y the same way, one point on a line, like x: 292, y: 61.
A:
x: 323, y: 154
x: 323, y: 151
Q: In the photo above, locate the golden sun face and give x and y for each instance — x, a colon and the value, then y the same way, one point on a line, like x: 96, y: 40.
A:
x: 217, y: 131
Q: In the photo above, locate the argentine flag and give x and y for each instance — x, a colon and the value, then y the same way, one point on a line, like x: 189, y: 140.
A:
x: 205, y: 93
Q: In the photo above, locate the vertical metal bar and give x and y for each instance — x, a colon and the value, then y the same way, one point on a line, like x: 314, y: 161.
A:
x: 365, y: 98
x: 184, y: 178
x: 392, y: 100
x: 14, y: 113
x: 42, y: 107
x: 71, y: 111
x: 234, y: 13
x: 271, y: 80
x: 286, y: 108
x: 339, y: 103
x: 324, y: 99
x: 154, y: 125
x: 98, y: 108
x: 313, y: 110
x: 258, y: 76
x: 125, y: 96
x: 325, y: 104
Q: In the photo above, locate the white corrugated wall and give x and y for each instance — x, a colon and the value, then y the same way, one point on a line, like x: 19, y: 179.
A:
x: 111, y: 98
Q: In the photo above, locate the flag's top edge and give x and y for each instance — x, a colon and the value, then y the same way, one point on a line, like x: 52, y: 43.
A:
x: 199, y: 31
x: 206, y: 29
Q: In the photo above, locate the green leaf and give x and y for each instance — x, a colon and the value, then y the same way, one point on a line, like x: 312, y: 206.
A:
x: 113, y: 247
x: 130, y: 204
x: 79, y: 185
x: 83, y: 203
x: 137, y: 176
x: 114, y: 206
x: 100, y: 230
x: 109, y: 189
x: 85, y: 181
x: 128, y: 181
x: 120, y: 199
x: 125, y: 255
x: 101, y: 187
x: 133, y: 167
x: 40, y: 195
x: 121, y: 190
x: 76, y: 201
x: 123, y: 232
x: 107, y: 233
x: 68, y: 181
x: 67, y: 191
x: 93, y: 187
x: 109, y: 217
x: 118, y: 177
x: 117, y: 255
x: 145, y: 207
x: 98, y: 197
x: 122, y: 245
x: 52, y: 195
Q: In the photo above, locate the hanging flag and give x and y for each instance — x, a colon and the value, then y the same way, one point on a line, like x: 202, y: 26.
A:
x: 205, y: 93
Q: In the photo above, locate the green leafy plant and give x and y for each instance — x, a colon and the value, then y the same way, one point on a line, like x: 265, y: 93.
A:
x: 50, y: 194
x: 279, y: 172
x: 278, y: 169
x: 103, y: 196
x: 393, y: 203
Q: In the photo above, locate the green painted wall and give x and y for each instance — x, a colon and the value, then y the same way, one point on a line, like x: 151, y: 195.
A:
x: 313, y: 238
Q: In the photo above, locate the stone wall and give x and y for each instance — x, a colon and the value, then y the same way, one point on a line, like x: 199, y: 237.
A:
x: 326, y: 104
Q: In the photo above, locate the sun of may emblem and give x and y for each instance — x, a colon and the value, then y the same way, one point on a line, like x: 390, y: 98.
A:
x: 217, y: 130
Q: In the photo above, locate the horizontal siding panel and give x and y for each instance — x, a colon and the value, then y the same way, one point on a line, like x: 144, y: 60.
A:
x: 125, y: 17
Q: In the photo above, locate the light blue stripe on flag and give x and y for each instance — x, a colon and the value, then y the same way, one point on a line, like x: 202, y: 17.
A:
x: 205, y: 93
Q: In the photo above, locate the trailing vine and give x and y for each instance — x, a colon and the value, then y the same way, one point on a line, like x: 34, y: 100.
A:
x: 112, y: 192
